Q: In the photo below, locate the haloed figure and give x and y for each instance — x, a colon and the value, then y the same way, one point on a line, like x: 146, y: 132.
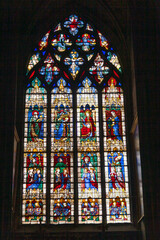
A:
x: 113, y: 126
x: 88, y: 129
x: 62, y: 126
x: 35, y: 124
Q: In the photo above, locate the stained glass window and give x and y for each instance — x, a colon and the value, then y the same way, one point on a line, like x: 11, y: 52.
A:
x: 74, y: 125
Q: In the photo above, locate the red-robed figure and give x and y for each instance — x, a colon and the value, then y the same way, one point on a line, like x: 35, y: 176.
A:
x: 88, y: 129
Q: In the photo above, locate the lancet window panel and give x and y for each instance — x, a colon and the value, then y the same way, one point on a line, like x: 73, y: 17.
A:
x: 35, y: 158
x: 62, y: 189
x: 116, y: 166
x: 89, y: 174
x: 62, y: 179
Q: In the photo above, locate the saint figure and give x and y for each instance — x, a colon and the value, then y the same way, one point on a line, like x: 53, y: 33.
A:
x: 88, y: 126
x: 62, y: 124
x: 113, y: 126
x: 35, y: 125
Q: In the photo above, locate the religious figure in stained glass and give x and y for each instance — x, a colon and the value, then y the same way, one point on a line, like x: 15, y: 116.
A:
x: 49, y: 70
x: 34, y: 160
x: 34, y: 210
x: 62, y: 210
x: 90, y: 210
x: 34, y: 188
x: 74, y: 62
x: 35, y: 170
x: 62, y: 114
x: 98, y: 70
x: 87, y: 112
x: 88, y: 126
x: 116, y: 171
x: 86, y: 42
x: 34, y: 179
x: 73, y: 24
x: 114, y: 116
x: 62, y: 173
x: 35, y: 128
x: 62, y: 127
x: 118, y: 210
x: 89, y: 172
x: 61, y: 42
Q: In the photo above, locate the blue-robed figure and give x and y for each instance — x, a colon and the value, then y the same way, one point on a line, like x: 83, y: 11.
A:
x: 87, y: 182
x: 35, y: 179
x: 62, y: 123
x: 113, y: 126
x: 87, y: 179
x: 114, y: 211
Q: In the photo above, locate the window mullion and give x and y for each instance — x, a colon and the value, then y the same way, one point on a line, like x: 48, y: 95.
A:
x: 75, y: 157
x: 102, y: 159
x: 48, y: 159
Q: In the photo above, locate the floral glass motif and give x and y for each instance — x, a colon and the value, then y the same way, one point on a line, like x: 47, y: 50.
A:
x: 112, y: 57
x: 89, y: 56
x: 49, y: 69
x: 89, y: 187
x: 61, y: 42
x: 103, y: 41
x: 34, y: 171
x: 62, y: 190
x: 86, y: 42
x: 116, y: 169
x: 58, y: 57
x: 98, y: 70
x: 74, y: 62
x: 57, y: 28
x: 73, y: 24
x: 33, y: 61
x: 44, y: 41
x: 89, y: 28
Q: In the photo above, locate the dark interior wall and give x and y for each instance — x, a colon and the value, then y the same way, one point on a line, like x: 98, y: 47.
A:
x: 133, y: 31
x: 146, y: 54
